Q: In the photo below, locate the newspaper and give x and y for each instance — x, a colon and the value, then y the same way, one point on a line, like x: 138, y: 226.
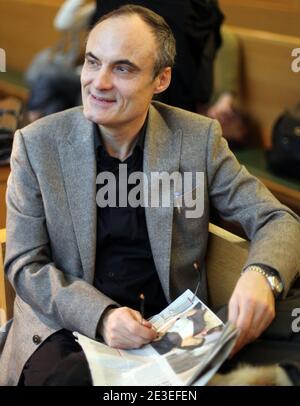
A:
x: 192, y: 344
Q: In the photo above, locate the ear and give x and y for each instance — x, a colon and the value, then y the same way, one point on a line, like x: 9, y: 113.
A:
x: 163, y: 80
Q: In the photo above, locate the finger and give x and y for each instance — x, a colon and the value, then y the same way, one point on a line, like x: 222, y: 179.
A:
x: 233, y: 314
x: 139, y: 318
x: 117, y: 333
x: 126, y: 339
x: 243, y: 324
x: 146, y: 333
x: 261, y: 319
x: 127, y: 329
x: 147, y: 323
x: 140, y: 329
x: 233, y: 311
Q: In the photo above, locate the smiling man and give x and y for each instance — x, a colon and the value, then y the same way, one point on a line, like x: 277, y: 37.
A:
x: 77, y: 266
x: 120, y: 76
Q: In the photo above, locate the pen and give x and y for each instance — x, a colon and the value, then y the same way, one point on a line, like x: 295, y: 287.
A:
x: 142, y: 305
x: 198, y: 283
x: 177, y: 195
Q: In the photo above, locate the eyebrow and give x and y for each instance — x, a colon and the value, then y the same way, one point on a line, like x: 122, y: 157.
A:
x: 117, y: 62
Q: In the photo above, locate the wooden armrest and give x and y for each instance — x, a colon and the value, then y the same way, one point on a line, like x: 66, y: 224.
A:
x: 226, y: 256
x: 7, y: 294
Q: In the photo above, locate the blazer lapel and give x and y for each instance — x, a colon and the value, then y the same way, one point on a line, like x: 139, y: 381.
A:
x: 162, y: 153
x: 78, y: 163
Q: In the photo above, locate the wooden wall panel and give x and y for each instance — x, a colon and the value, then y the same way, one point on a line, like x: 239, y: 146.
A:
x: 268, y: 31
x: 26, y: 28
x: 278, y: 16
x: 268, y: 83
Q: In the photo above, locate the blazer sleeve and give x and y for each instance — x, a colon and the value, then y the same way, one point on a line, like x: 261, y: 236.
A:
x: 62, y: 298
x: 272, y: 228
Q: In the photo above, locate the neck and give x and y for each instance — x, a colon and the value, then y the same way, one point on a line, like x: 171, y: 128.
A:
x: 120, y: 142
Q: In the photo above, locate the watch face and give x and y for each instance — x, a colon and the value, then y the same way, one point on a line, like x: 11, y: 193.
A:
x: 276, y: 284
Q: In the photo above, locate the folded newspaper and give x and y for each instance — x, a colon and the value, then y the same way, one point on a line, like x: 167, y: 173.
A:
x: 192, y: 344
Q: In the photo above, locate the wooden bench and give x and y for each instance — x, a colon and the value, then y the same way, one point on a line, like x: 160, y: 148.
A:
x: 269, y: 85
x: 4, y: 173
x: 268, y: 31
x: 7, y: 294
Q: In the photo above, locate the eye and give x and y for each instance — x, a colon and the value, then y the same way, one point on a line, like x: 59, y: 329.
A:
x: 91, y: 62
x: 122, y: 68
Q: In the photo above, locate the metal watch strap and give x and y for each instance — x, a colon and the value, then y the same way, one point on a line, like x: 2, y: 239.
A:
x: 276, y: 287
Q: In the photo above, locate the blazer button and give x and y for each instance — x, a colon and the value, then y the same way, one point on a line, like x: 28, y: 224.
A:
x: 36, y: 339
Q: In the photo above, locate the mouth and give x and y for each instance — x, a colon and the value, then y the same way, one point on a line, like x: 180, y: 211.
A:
x: 102, y: 100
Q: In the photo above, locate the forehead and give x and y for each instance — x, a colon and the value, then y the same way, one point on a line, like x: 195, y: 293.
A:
x: 125, y: 37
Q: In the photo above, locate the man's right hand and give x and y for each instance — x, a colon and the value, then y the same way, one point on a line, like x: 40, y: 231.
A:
x: 126, y: 329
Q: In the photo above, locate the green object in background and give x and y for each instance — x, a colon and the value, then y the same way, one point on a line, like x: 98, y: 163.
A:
x: 255, y: 161
x: 13, y: 77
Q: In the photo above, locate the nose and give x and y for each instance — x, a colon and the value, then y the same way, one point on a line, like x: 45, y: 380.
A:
x: 103, y: 79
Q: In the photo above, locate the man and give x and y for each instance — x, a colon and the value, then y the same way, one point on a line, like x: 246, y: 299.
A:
x: 79, y: 267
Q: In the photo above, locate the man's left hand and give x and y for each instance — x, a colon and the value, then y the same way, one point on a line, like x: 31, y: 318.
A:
x: 251, y: 307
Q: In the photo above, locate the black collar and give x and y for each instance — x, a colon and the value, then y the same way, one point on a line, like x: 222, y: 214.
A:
x: 98, y: 142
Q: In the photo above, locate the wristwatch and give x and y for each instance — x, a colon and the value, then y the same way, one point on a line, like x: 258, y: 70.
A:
x: 272, y: 278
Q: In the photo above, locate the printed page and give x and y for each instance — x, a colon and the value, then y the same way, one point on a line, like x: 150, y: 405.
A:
x: 190, y: 336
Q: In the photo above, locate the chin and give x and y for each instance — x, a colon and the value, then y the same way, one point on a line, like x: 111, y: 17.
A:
x: 91, y: 116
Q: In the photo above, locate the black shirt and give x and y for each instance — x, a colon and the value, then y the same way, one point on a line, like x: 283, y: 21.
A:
x: 124, y: 263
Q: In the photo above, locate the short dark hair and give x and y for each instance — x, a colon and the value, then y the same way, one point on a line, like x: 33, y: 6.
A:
x: 163, y: 34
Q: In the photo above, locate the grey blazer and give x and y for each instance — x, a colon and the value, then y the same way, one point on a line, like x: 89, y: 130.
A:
x: 51, y: 222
